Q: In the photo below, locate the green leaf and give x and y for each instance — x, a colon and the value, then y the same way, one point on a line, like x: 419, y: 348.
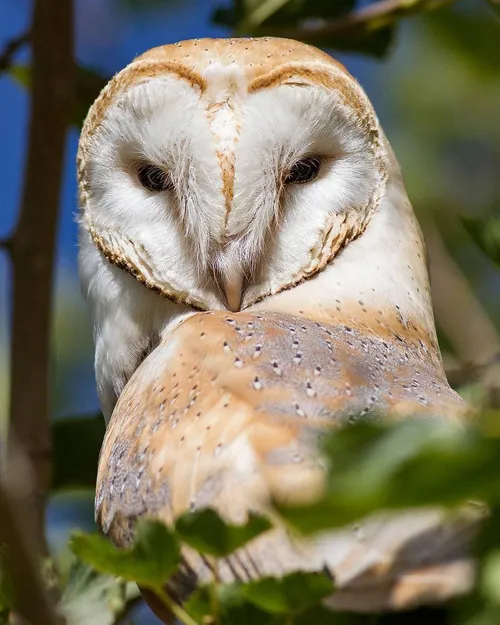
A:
x: 232, y: 607
x: 412, y: 464
x: 495, y: 6
x: 291, y: 13
x: 490, y: 581
x: 76, y: 442
x: 259, y: 602
x: 290, y: 594
x: 91, y: 598
x: 208, y: 533
x: 485, y: 231
x: 22, y: 74
x: 473, y: 36
x: 276, y: 17
x: 150, y: 562
x: 260, y: 11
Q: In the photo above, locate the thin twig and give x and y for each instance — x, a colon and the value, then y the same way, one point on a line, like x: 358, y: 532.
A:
x: 173, y: 607
x: 33, y: 243
x: 11, y: 48
x: 357, y: 23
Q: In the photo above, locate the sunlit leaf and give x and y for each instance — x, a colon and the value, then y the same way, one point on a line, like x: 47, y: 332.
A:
x: 486, y: 233
x: 22, y: 74
x: 261, y: 10
x: 288, y: 13
x: 150, y: 561
x: 208, y: 533
x: 491, y: 577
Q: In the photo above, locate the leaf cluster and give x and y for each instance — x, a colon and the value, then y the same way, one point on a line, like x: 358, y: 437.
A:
x: 414, y: 464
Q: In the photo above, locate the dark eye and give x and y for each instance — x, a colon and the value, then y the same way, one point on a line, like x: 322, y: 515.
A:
x: 153, y: 178
x: 305, y: 170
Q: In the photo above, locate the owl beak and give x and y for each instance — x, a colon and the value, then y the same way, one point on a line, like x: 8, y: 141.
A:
x: 233, y: 286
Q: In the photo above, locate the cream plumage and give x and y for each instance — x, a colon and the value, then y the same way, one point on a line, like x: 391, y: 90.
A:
x: 190, y: 170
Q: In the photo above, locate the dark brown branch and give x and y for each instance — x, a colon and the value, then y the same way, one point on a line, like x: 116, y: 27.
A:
x: 369, y: 18
x: 31, y: 600
x: 33, y: 243
x: 6, y: 243
x: 11, y: 48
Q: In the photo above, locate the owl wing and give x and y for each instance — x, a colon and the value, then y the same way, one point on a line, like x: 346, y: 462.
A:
x: 225, y: 414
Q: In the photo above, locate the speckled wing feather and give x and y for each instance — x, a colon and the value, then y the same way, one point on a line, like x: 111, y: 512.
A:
x: 225, y: 413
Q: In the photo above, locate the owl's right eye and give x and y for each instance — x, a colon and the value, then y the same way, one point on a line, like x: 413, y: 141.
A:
x: 154, y: 178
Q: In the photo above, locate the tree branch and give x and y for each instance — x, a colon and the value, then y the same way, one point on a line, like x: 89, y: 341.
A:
x: 6, y: 243
x: 31, y: 599
x: 358, y: 23
x: 33, y: 242
x: 11, y: 48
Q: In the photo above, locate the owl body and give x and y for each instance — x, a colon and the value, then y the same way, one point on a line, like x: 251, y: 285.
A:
x: 246, y: 235
x: 226, y: 413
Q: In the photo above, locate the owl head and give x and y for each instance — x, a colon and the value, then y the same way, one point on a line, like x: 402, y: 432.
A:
x: 235, y: 174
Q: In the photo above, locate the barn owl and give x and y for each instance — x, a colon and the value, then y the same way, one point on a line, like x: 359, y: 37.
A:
x: 256, y: 274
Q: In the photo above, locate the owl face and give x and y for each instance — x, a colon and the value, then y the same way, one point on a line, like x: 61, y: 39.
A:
x: 217, y: 188
x: 220, y: 173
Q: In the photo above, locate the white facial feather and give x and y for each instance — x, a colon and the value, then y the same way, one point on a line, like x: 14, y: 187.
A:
x: 277, y: 226
x: 159, y: 122
x: 230, y: 232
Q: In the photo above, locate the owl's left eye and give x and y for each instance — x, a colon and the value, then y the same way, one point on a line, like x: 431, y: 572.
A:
x: 154, y: 178
x: 304, y: 170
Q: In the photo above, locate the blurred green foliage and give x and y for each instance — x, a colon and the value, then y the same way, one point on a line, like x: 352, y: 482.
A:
x: 372, y: 467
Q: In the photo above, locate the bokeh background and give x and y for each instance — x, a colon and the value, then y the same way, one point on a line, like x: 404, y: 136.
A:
x: 437, y: 94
